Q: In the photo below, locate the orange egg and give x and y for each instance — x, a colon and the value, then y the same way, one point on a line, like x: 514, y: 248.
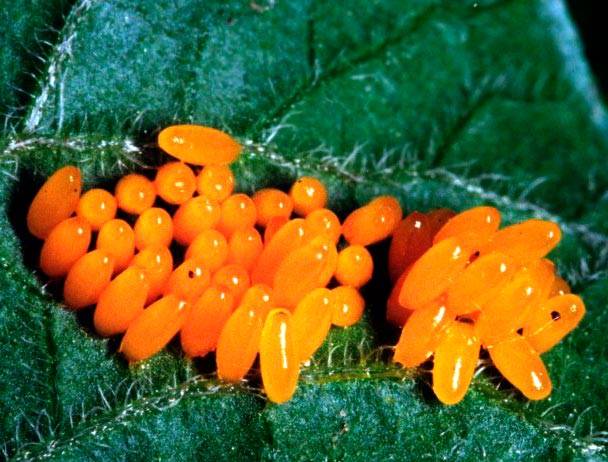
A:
x: 87, y: 278
x: 121, y: 302
x: 270, y: 203
x: 437, y: 218
x: 154, y: 328
x: 521, y: 365
x: 202, y: 328
x: 307, y: 268
x: 291, y: 236
x: 543, y: 274
x: 347, y: 306
x: 67, y: 242
x: 274, y: 224
x: 157, y: 262
x: 244, y: 247
x: 433, y: 273
x: 260, y: 297
x: 526, y: 241
x: 238, y: 212
x: 239, y: 341
x: 560, y: 287
x: 233, y: 277
x: 355, y: 266
x: 97, y: 206
x: 279, y: 360
x: 116, y: 237
x: 324, y: 222
x: 199, y: 145
x: 311, y: 322
x: 412, y: 237
x: 480, y: 282
x: 421, y: 333
x: 216, y: 182
x: 193, y: 217
x: 396, y: 313
x: 211, y: 247
x: 175, y: 182
x: 552, y: 321
x: 189, y: 280
x: 56, y: 201
x: 372, y: 222
x: 308, y: 194
x: 473, y: 227
x: 502, y: 315
x: 135, y: 193
x: 153, y: 227
x: 454, y: 362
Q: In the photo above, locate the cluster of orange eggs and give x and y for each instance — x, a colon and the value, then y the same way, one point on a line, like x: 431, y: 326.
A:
x: 469, y: 285
x: 243, y: 276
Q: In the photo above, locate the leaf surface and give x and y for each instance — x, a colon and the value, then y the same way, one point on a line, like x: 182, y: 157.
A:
x: 441, y: 103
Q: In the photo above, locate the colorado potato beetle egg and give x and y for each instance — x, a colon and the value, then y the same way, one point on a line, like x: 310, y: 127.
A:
x: 239, y: 340
x: 274, y: 224
x: 175, y: 182
x: 473, y: 227
x: 421, y: 333
x: 55, y: 201
x: 347, y: 306
x: 526, y: 241
x: 433, y: 273
x: 521, y: 365
x: 215, y: 182
x: 244, y: 247
x: 372, y: 222
x: 153, y: 227
x: 67, y: 242
x: 193, y: 217
x: 205, y: 322
x: 480, y: 282
x: 135, y: 194
x: 199, y: 145
x: 117, y: 238
x: 270, y: 203
x: 437, y: 218
x: 211, y: 247
x: 238, y: 212
x: 233, y: 277
x: 555, y: 318
x: 308, y: 194
x: 455, y: 361
x: 311, y: 321
x: 307, y: 268
x: 97, y: 206
x: 154, y: 328
x: 87, y: 278
x: 121, y: 302
x: 287, y: 239
x: 189, y: 280
x: 324, y: 222
x: 411, y: 239
x: 157, y: 263
x: 279, y: 360
x: 355, y: 266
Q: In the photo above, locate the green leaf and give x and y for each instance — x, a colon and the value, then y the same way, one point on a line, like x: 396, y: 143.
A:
x: 441, y: 103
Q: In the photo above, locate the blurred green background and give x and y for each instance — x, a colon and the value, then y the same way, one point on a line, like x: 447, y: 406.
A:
x: 591, y: 23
